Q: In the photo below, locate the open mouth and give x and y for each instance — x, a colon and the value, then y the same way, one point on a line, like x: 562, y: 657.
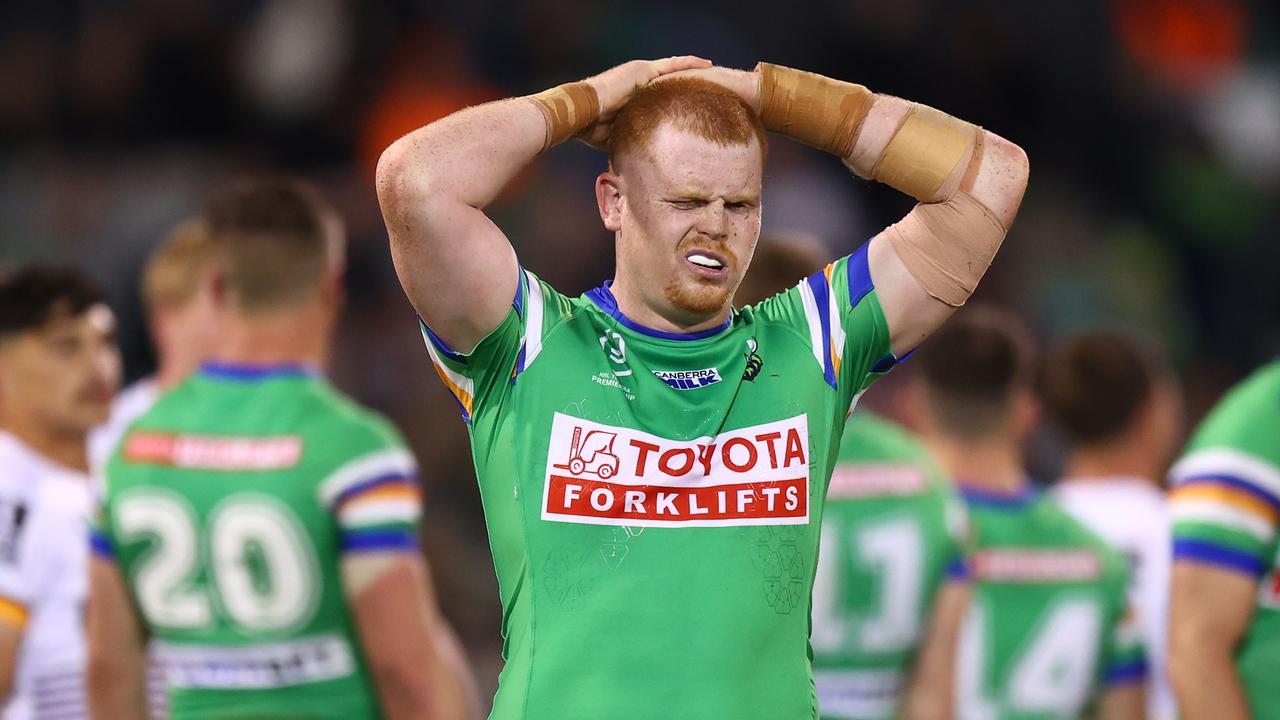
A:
x: 707, y: 263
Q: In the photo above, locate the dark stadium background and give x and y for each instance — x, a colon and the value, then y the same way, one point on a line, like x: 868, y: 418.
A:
x: 1153, y: 128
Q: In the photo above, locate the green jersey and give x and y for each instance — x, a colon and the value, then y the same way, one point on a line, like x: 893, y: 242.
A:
x: 1225, y: 502
x: 228, y: 508
x: 891, y: 536
x: 1048, y: 629
x: 653, y: 499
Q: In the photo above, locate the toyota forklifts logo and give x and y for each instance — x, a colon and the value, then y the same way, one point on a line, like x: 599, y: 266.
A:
x: 608, y: 475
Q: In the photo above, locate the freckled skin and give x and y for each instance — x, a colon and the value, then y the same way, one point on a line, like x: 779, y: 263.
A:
x: 684, y: 193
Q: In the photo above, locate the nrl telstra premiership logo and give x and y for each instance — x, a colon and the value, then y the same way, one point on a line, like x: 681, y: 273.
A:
x: 688, y: 379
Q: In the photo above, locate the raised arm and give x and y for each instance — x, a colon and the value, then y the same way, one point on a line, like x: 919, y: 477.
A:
x: 969, y: 183
x: 456, y: 266
x: 930, y: 695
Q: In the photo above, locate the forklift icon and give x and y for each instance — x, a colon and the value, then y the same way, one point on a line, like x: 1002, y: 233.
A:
x: 592, y: 455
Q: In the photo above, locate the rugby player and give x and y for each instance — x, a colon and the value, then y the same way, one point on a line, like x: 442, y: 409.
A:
x: 263, y: 525
x: 181, y: 322
x: 1048, y: 633
x: 1118, y: 406
x: 59, y: 368
x: 889, y: 596
x: 652, y: 463
x: 1224, y: 637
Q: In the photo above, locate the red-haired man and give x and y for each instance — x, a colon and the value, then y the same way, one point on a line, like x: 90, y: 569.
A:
x: 652, y: 463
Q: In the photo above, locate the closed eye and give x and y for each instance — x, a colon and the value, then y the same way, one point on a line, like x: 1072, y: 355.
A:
x: 687, y: 204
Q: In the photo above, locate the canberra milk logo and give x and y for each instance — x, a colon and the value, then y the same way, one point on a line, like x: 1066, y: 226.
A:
x: 688, y: 379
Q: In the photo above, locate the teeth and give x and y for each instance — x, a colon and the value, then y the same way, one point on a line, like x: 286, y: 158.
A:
x: 705, y: 261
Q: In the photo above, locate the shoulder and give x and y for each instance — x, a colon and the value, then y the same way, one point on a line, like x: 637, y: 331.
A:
x: 1074, y: 533
x: 346, y: 428
x: 1246, y: 419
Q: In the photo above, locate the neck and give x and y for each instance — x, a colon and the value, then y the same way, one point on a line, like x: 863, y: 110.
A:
x: 668, y: 319
x: 993, y: 464
x: 281, y: 338
x: 172, y: 371
x: 64, y: 448
x: 1111, y: 461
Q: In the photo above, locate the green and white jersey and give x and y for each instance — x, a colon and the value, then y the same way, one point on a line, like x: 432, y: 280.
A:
x: 228, y: 507
x: 653, y: 500
x: 1225, y: 502
x: 892, y: 534
x: 1049, y: 628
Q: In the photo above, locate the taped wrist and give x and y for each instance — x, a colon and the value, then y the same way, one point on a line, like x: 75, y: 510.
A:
x: 948, y: 246
x: 811, y: 108
x: 568, y: 109
x: 929, y: 156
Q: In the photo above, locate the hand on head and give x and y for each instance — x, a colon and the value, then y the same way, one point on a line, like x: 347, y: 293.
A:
x: 614, y: 87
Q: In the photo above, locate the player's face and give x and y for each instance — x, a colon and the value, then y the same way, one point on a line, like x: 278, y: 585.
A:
x: 690, y: 221
x: 65, y: 374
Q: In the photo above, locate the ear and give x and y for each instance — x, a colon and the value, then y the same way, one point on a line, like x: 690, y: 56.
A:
x: 217, y: 287
x: 1026, y: 413
x: 609, y: 200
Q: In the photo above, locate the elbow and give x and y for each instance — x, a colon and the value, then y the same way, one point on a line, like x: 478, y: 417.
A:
x: 1011, y: 158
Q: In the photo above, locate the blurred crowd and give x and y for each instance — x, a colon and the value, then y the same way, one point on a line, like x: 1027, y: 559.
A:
x: 1153, y: 127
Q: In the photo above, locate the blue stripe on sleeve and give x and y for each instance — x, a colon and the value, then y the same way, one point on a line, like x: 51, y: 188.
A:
x: 1220, y: 555
x: 822, y: 297
x: 101, y: 546
x: 858, y: 273
x: 957, y: 569
x: 376, y: 482
x: 440, y: 344
x: 1234, y: 482
x: 383, y: 540
x: 1130, y: 672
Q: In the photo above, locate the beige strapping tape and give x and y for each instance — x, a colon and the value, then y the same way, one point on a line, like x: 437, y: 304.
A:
x: 568, y: 109
x: 947, y: 247
x: 812, y: 108
x: 925, y: 151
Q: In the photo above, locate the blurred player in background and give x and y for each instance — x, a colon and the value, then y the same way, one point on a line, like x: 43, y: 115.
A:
x: 651, y: 462
x: 181, y: 320
x: 887, y: 606
x: 1048, y: 632
x: 1224, y: 643
x: 59, y: 369
x: 266, y: 524
x: 1120, y: 410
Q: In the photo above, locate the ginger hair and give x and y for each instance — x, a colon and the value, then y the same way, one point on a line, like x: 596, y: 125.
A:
x: 697, y: 106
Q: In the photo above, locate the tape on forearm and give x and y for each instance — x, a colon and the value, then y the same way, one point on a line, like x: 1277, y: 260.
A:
x: 811, y: 108
x: 928, y: 156
x: 948, y: 246
x: 568, y: 109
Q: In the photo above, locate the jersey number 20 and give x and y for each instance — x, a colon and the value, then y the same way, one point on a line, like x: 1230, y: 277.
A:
x: 242, y: 531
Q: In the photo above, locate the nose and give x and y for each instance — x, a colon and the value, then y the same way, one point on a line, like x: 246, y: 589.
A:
x: 713, y: 220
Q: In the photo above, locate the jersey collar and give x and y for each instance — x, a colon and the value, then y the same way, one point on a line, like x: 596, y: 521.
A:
x: 256, y: 373
x: 998, y: 498
x: 604, y: 299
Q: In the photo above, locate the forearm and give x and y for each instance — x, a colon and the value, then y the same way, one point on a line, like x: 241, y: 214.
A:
x: 1123, y: 703
x: 1205, y: 681
x: 117, y: 686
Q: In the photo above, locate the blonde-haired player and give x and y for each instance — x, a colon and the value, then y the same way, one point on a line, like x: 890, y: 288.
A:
x: 182, y: 322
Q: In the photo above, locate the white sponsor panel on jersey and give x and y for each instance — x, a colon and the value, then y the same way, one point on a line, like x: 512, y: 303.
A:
x: 608, y: 475
x: 1036, y: 565
x: 867, y: 480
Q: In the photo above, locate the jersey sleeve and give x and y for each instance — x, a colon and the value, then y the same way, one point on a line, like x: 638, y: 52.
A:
x: 838, y: 310
x: 478, y: 379
x: 1126, y: 656
x: 101, y: 540
x: 1224, y: 503
x: 375, y: 500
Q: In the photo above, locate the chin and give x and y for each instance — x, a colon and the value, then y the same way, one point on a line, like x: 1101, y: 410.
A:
x: 698, y: 298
